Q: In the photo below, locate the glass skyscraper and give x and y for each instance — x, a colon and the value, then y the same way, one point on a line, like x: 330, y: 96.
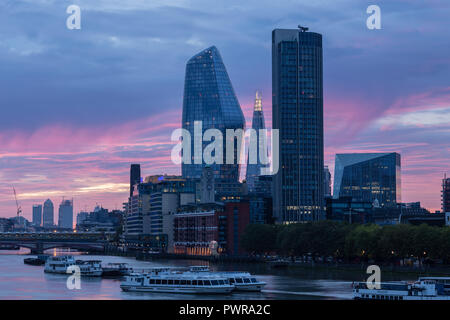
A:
x: 297, y: 111
x: 254, y: 169
x: 209, y: 97
x: 372, y: 177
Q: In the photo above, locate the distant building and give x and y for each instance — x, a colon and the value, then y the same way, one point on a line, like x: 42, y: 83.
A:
x: 254, y: 168
x: 327, y: 182
x: 37, y: 215
x: 47, y: 214
x: 207, y: 185
x: 347, y: 210
x: 445, y: 196
x: 135, y: 176
x: 209, y: 98
x: 81, y: 216
x: 297, y: 112
x: 370, y: 177
x: 65, y: 214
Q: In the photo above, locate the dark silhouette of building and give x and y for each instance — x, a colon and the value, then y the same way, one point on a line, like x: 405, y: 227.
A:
x: 445, y: 194
x: 297, y: 112
x: 135, y: 176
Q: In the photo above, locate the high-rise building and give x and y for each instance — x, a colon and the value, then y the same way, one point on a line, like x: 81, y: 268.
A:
x: 209, y: 100
x: 297, y: 112
x: 445, y: 194
x: 37, y: 214
x: 254, y: 169
x: 326, y: 182
x: 135, y: 176
x: 65, y: 214
x: 47, y: 214
x: 373, y: 177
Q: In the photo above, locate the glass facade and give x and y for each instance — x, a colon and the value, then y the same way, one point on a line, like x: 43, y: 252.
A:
x: 373, y: 177
x: 297, y: 111
x: 209, y: 97
x: 254, y: 169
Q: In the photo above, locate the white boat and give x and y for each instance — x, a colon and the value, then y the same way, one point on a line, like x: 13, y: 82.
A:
x: 242, y: 281
x: 426, y: 288
x: 169, y: 281
x: 90, y: 268
x: 58, y: 264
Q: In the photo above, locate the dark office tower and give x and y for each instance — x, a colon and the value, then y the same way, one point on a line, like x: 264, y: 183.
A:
x: 209, y: 97
x: 297, y: 112
x: 372, y: 177
x: 254, y: 170
x: 47, y: 214
x: 445, y: 194
x: 326, y: 182
x: 135, y: 176
x: 37, y: 214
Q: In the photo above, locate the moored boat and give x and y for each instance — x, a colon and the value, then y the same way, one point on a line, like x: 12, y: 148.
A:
x: 90, y: 268
x: 116, y: 270
x: 427, y: 288
x: 34, y: 261
x: 166, y: 280
x: 242, y: 281
x: 58, y: 264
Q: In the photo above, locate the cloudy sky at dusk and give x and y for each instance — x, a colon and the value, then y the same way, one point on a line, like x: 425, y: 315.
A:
x: 77, y: 107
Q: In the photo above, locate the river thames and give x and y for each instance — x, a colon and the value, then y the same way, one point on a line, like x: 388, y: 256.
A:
x: 21, y: 281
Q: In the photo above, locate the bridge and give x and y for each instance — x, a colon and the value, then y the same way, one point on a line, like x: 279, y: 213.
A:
x: 37, y: 242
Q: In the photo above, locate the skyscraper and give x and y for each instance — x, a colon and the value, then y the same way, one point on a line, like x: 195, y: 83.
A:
x: 135, y: 176
x: 326, y: 182
x: 445, y: 194
x: 254, y: 170
x: 373, y: 177
x: 48, y: 213
x: 209, y: 97
x: 37, y: 214
x: 65, y: 214
x: 297, y: 112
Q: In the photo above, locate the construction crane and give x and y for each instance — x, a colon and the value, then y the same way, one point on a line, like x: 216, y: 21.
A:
x: 19, y: 209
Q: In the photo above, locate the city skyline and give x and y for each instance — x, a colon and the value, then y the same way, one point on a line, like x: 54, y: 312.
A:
x: 78, y: 139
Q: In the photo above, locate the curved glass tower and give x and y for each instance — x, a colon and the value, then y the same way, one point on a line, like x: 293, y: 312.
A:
x: 254, y: 170
x: 209, y: 97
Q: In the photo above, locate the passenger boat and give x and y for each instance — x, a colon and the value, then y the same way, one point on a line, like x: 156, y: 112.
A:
x: 169, y: 281
x: 90, y: 268
x: 242, y: 281
x: 426, y: 288
x: 58, y: 264
x: 116, y: 270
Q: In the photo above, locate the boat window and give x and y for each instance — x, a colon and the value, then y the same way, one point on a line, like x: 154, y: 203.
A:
x: 183, y: 282
x: 231, y: 280
x: 206, y: 282
x: 176, y: 282
x: 164, y: 281
x: 158, y: 281
x: 200, y: 282
x: 246, y: 280
x: 152, y: 281
x: 238, y: 280
x: 170, y: 281
x: 214, y: 282
x: 194, y: 282
x: 253, y: 280
x: 221, y: 282
x: 188, y: 282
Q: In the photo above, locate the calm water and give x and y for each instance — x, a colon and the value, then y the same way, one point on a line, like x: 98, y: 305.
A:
x: 21, y: 281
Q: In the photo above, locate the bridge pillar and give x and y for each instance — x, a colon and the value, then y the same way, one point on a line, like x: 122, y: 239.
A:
x: 39, y: 249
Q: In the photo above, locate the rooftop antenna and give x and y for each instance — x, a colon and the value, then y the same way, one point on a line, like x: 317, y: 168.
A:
x: 303, y: 29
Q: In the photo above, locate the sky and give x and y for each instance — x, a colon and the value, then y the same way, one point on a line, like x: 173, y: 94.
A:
x: 77, y: 107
